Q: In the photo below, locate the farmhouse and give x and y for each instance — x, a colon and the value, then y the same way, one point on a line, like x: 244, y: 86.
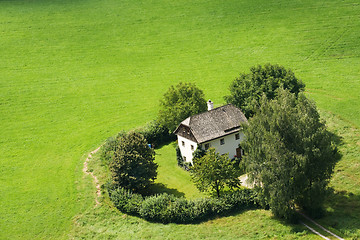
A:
x: 218, y: 128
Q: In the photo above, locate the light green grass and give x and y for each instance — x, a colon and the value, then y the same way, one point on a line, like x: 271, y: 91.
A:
x: 172, y: 178
x: 73, y: 73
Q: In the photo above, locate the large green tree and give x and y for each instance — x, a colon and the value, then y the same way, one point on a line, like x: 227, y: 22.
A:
x: 247, y: 90
x: 180, y: 102
x: 132, y: 165
x: 289, y: 154
x: 212, y: 172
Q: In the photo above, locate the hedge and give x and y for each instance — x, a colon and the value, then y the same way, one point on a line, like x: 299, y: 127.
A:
x: 165, y: 208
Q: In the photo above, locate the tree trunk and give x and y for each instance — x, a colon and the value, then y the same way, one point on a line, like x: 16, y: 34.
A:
x: 217, y: 189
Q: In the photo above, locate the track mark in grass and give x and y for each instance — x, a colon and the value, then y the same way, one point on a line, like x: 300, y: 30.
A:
x: 319, y: 226
x: 86, y: 171
x: 314, y: 231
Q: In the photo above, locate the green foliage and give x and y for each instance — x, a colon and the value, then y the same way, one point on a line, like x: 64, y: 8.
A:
x: 290, y: 152
x: 180, y: 102
x: 247, y: 90
x: 109, y: 148
x: 242, y: 199
x: 198, y: 153
x: 212, y: 172
x: 157, y: 134
x: 126, y: 201
x: 167, y: 208
x: 132, y: 166
x: 162, y: 208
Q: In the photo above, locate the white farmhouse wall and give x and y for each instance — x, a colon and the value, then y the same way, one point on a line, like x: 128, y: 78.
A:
x: 230, y: 145
x: 185, y: 149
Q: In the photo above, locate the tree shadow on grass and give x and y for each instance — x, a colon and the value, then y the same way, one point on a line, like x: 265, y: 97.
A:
x: 158, y: 188
x: 343, y: 213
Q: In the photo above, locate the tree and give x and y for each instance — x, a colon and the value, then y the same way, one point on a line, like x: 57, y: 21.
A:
x: 289, y: 154
x: 180, y: 102
x: 247, y: 90
x: 132, y: 166
x: 212, y: 172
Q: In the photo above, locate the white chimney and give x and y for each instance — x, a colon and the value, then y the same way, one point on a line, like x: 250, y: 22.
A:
x: 210, y: 105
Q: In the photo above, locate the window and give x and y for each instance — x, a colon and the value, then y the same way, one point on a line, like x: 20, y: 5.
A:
x: 192, y: 147
x: 184, y: 158
x: 207, y: 145
x: 183, y: 143
x: 237, y: 136
x: 222, y: 141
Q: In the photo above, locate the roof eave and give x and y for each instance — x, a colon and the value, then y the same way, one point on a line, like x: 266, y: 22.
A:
x: 229, y: 133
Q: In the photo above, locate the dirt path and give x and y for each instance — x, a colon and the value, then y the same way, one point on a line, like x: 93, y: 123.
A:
x: 85, y: 170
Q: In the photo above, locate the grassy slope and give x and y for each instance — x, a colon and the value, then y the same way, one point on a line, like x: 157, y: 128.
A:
x: 75, y: 72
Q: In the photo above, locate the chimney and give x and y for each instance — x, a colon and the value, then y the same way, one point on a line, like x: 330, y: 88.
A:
x: 210, y: 105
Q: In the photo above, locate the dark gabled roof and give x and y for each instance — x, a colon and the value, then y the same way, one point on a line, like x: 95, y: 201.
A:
x: 215, y: 123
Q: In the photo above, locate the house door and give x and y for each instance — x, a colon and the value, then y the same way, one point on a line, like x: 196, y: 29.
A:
x: 239, y: 153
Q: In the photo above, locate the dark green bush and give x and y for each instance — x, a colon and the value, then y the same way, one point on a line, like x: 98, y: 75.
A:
x: 126, y: 201
x: 167, y: 208
x: 242, y: 199
x: 208, y: 207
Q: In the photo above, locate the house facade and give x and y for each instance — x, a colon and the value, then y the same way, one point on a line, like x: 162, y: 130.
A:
x: 218, y: 128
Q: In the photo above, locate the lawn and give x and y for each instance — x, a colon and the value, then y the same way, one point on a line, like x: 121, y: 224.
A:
x: 73, y: 73
x: 171, y: 178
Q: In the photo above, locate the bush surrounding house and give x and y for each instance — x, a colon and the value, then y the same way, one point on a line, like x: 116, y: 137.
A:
x: 167, y: 208
x: 219, y: 128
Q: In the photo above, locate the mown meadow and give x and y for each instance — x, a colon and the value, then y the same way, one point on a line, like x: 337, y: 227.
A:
x: 73, y: 73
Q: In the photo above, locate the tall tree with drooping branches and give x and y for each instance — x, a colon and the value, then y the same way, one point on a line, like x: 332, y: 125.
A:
x: 289, y: 154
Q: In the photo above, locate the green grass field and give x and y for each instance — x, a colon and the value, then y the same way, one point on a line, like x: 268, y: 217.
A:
x: 73, y: 73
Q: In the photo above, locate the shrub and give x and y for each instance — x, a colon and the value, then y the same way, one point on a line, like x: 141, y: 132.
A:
x: 242, y: 199
x: 126, y: 201
x: 208, y: 207
x: 154, y: 208
x: 167, y: 208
